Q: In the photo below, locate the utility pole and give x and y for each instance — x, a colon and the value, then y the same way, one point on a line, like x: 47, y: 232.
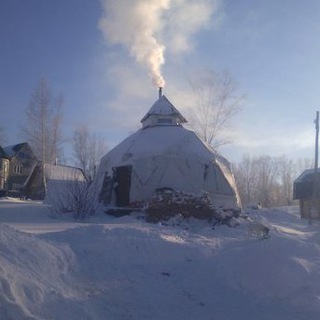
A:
x: 316, y: 122
x: 315, y: 194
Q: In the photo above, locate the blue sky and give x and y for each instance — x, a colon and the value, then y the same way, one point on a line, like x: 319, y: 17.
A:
x: 270, y: 47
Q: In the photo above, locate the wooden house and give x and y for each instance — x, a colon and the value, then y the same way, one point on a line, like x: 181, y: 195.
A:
x: 22, y: 161
x: 4, y: 170
x: 23, y: 175
x: 306, y: 189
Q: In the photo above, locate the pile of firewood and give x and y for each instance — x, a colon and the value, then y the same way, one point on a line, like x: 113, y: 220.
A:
x: 167, y: 203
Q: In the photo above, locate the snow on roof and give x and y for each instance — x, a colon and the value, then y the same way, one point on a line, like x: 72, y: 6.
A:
x: 13, y: 149
x: 60, y: 172
x: 169, y: 156
x: 163, y: 107
x: 304, y: 175
x: 158, y: 141
x: 2, y: 153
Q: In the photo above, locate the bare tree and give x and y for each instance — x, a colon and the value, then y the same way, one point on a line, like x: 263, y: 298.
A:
x: 287, y: 171
x: 246, y: 178
x: 217, y: 101
x: 74, y: 197
x: 43, y: 123
x: 88, y: 150
x: 257, y: 180
x: 268, y: 180
x: 303, y: 164
x: 2, y: 136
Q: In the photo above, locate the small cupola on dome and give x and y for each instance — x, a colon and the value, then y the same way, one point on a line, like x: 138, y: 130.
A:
x: 162, y: 113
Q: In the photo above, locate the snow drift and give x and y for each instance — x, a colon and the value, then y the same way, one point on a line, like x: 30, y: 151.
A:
x: 125, y: 268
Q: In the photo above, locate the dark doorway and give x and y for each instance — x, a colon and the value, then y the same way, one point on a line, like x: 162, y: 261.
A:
x: 106, y: 189
x: 122, y: 182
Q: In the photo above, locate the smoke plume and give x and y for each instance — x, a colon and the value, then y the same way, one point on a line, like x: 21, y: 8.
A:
x: 139, y: 24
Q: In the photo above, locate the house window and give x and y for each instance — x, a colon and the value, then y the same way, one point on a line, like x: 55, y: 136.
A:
x: 16, y: 186
x: 17, y: 169
x: 164, y: 121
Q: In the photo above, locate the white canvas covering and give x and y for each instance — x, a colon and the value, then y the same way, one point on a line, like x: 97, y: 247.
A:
x: 169, y: 157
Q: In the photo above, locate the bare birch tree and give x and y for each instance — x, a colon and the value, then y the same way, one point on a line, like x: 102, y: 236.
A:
x: 88, y: 150
x: 217, y: 101
x: 42, y: 128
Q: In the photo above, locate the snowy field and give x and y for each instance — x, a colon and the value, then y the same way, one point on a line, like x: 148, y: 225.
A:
x: 124, y: 268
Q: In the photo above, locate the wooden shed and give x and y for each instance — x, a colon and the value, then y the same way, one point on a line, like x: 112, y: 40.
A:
x: 306, y: 189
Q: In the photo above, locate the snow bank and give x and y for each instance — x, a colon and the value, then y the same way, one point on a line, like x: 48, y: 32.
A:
x: 32, y: 272
x: 125, y: 268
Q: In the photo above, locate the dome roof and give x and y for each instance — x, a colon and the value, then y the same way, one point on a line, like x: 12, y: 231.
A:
x: 156, y: 141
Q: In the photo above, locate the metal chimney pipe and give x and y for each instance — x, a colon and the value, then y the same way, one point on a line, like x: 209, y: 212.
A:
x: 160, y: 92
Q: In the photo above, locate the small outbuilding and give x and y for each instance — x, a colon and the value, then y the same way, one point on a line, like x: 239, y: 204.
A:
x: 164, y: 155
x: 22, y: 162
x: 51, y: 179
x: 306, y: 189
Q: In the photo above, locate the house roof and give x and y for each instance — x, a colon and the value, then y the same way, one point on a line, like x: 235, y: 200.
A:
x: 61, y: 172
x: 163, y: 107
x: 303, y: 187
x: 12, y: 150
x: 2, y: 153
x: 306, y: 175
x: 159, y: 141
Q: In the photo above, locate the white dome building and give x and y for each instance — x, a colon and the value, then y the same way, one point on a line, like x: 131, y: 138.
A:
x: 163, y: 154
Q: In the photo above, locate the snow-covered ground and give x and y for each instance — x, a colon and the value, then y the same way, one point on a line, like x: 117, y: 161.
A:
x: 124, y: 268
